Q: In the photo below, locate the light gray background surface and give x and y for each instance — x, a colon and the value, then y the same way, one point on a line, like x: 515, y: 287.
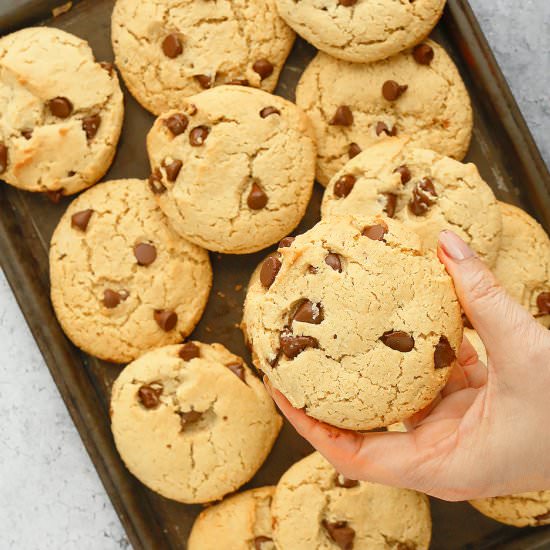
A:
x: 50, y: 494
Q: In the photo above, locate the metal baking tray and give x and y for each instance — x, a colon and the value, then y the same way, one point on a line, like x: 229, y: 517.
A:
x: 502, y: 147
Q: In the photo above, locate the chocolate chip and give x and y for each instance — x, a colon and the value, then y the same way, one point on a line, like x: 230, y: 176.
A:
x: 111, y: 298
x: 270, y: 268
x: 404, y: 172
x: 382, y: 127
x: 266, y: 111
x: 189, y: 351
x: 353, y: 150
x: 172, y: 46
x: 344, y: 185
x: 423, y: 54
x: 106, y: 66
x: 340, y: 533
x: 312, y: 269
x: 347, y: 3
x: 257, y: 199
x: 80, y: 220
x: 292, y: 345
x: 60, y: 107
x: 177, y: 123
x: 145, y: 253
x: 392, y: 90
x: 333, y: 260
x: 27, y: 134
x: 3, y: 158
x: 444, y: 354
x: 198, y: 135
x: 258, y: 541
x: 237, y: 369
x: 204, y: 80
x: 391, y: 203
x: 189, y: 417
x: 150, y: 396
x: 238, y: 82
x: 91, y: 125
x: 286, y: 242
x: 398, y: 340
x: 308, y: 312
x: 155, y: 182
x: 342, y: 117
x: 263, y: 67
x: 344, y: 482
x: 543, y: 303
x: 71, y: 173
x: 375, y: 232
x: 173, y: 169
x: 166, y: 319
x: 423, y: 196
x: 54, y: 196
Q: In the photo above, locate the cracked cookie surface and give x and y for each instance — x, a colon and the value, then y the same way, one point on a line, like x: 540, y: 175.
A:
x: 353, y: 322
x: 233, y: 168
x: 122, y: 281
x: 241, y: 522
x: 353, y: 106
x: 422, y: 189
x: 315, y: 507
x: 192, y: 422
x: 361, y: 30
x: 523, y: 262
x: 167, y: 50
x: 60, y: 112
x: 521, y: 510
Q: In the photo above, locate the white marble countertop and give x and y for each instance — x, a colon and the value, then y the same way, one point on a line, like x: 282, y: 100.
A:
x: 50, y: 494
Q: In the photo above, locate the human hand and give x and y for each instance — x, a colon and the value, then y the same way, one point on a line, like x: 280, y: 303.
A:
x: 487, y: 433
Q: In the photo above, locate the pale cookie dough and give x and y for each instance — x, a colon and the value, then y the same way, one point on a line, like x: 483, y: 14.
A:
x: 60, y: 112
x: 362, y: 30
x: 122, y: 281
x: 359, y: 332
x: 233, y: 168
x: 192, y: 422
x: 521, y: 510
x: 242, y: 522
x: 167, y: 50
x: 316, y: 508
x: 423, y: 189
x: 477, y: 343
x: 347, y: 105
x: 523, y: 263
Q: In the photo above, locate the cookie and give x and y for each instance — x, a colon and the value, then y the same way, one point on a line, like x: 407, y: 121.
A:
x: 122, y: 281
x: 241, y: 522
x: 168, y: 50
x: 60, y: 112
x: 477, y: 343
x: 353, y: 323
x: 522, y: 510
x: 315, y: 507
x: 523, y: 263
x: 192, y: 422
x: 233, y: 168
x: 423, y: 189
x: 354, y: 106
x: 364, y: 31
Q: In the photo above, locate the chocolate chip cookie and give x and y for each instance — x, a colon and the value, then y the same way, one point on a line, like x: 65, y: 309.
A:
x: 122, y: 281
x: 241, y: 522
x: 354, y: 323
x: 353, y: 106
x: 315, y: 507
x: 421, y: 188
x: 523, y: 263
x: 233, y: 168
x: 60, y: 112
x: 168, y: 50
x: 192, y: 422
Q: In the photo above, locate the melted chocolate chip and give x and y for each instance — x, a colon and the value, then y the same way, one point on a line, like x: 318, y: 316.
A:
x: 27, y: 134
x: 270, y: 268
x: 344, y: 482
x: 237, y: 369
x: 204, y: 80
x: 172, y: 46
x: 198, y: 135
x: 444, y: 354
x: 173, y: 169
x: 382, y: 127
x: 54, y: 196
x: 145, y: 253
x: 286, y: 242
x: 292, y: 345
x: 238, y: 82
x: 404, y: 172
x: 312, y: 269
x: 333, y: 260
x: 257, y: 199
x: 347, y: 3
x: 423, y: 196
x: 308, y: 312
x: 423, y: 54
x: 263, y: 67
x: 398, y: 340
x: 177, y: 123
x: 189, y: 351
x: 543, y: 303
x: 80, y: 220
x: 3, y: 158
x: 166, y: 319
x: 60, y: 107
x: 91, y: 125
x: 258, y: 542
x: 266, y: 111
x: 188, y: 418
x: 342, y: 117
x: 155, y: 182
x: 150, y: 396
x: 391, y: 203
x: 340, y: 533
x: 107, y: 66
x: 353, y: 150
x: 344, y: 185
x: 112, y: 299
x: 375, y: 232
x: 392, y: 90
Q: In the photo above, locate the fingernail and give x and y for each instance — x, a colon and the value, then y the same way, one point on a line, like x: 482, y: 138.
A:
x: 454, y: 246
